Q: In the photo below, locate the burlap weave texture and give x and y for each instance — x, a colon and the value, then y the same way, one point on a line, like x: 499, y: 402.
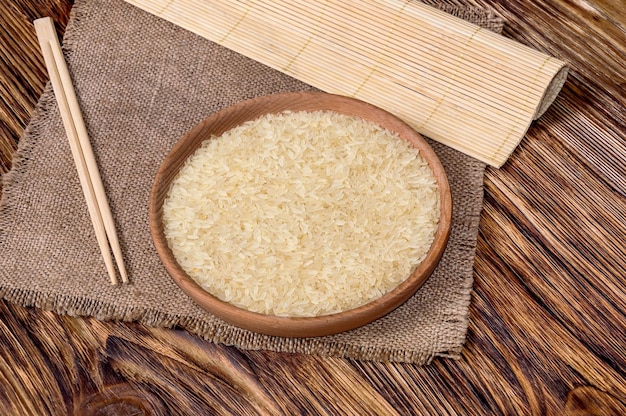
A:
x: 142, y: 83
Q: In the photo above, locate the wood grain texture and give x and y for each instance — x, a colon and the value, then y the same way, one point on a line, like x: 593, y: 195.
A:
x: 547, y: 331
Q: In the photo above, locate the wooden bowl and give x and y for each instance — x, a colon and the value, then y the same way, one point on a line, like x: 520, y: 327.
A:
x: 226, y: 119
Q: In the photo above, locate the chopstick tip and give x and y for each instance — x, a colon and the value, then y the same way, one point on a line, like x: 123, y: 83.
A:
x: 124, y: 276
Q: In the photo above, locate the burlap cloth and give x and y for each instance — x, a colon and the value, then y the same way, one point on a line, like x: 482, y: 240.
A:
x: 142, y: 83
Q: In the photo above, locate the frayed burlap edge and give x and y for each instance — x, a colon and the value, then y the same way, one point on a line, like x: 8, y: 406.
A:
x: 232, y: 336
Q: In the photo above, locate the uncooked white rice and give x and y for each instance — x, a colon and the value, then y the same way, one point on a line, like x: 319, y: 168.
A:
x: 302, y: 213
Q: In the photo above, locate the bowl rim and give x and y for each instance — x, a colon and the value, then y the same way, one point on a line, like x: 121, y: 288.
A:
x: 287, y: 326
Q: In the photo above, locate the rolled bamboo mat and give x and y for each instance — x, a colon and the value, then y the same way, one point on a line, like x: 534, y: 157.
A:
x: 466, y: 87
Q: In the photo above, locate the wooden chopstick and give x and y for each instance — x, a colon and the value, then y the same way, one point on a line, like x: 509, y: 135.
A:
x: 85, y: 161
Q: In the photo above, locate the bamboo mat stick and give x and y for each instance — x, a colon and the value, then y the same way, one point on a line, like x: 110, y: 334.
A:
x: 454, y: 82
x: 80, y: 146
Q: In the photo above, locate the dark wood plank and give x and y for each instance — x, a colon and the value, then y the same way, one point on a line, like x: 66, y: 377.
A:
x: 547, y: 329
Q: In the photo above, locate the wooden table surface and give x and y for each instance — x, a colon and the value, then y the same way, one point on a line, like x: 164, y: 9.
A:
x: 547, y: 326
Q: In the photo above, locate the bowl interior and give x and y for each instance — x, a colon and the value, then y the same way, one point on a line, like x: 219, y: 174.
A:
x: 231, y: 117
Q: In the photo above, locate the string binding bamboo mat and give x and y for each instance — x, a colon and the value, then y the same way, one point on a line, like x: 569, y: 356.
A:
x: 466, y: 87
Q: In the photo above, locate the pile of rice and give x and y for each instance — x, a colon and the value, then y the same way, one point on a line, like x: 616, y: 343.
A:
x: 302, y: 213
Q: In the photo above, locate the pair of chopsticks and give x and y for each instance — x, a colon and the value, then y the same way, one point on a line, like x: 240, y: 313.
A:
x: 82, y: 152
